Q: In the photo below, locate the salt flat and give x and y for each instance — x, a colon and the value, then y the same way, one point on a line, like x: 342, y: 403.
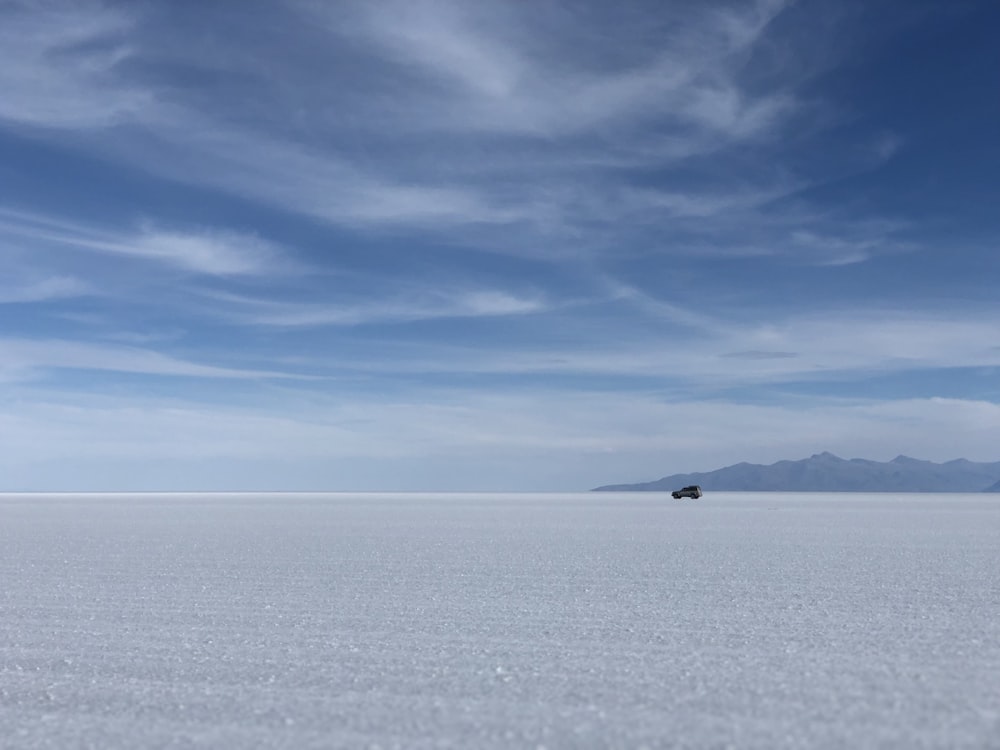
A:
x: 434, y: 621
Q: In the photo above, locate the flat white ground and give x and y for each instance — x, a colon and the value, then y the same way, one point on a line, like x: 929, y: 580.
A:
x: 425, y: 621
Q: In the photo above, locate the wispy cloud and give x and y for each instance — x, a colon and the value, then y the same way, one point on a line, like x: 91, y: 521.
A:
x: 662, y: 311
x: 214, y: 252
x: 21, y: 358
x: 854, y: 242
x: 698, y: 359
x: 60, y: 65
x: 758, y: 354
x: 504, y: 71
x: 206, y: 251
x: 387, y: 308
x: 51, y: 288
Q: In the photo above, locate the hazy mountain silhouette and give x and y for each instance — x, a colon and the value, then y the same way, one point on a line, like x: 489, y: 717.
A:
x: 825, y: 472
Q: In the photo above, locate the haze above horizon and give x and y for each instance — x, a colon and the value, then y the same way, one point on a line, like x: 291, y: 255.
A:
x: 492, y: 246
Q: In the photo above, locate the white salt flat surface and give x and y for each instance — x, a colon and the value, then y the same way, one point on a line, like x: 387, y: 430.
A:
x: 459, y: 621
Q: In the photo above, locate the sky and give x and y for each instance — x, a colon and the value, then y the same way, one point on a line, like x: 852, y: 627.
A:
x: 482, y: 245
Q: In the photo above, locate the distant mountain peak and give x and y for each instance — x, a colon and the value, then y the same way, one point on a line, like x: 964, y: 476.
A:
x: 825, y: 472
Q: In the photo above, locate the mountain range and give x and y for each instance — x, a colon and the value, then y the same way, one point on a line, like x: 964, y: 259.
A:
x: 825, y: 472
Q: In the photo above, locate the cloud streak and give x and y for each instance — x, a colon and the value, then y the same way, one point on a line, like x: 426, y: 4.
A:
x: 22, y: 359
x: 836, y: 346
x: 499, y: 74
x: 51, y: 288
x: 204, y: 251
x: 413, y: 307
x: 61, y: 64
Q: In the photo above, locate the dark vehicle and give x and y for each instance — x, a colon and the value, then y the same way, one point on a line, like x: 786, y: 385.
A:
x: 693, y: 492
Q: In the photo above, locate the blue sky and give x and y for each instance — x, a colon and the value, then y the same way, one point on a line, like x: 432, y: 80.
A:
x: 492, y: 245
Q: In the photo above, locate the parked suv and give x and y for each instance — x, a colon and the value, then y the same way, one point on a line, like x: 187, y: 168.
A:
x: 693, y: 492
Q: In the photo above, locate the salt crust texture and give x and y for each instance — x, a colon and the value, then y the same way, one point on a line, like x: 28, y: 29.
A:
x: 458, y: 621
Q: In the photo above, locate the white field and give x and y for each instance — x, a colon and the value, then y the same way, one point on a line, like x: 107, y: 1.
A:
x: 440, y: 621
